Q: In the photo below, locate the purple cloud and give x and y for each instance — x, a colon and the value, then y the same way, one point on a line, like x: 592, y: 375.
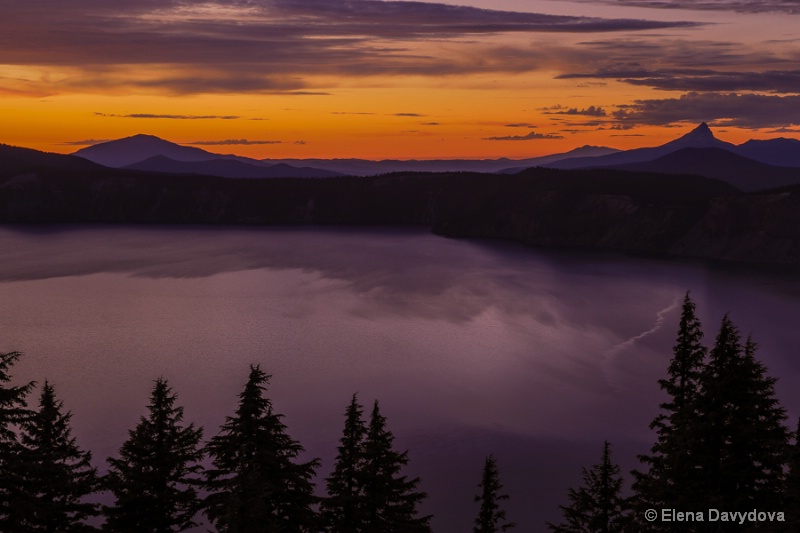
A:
x: 529, y: 137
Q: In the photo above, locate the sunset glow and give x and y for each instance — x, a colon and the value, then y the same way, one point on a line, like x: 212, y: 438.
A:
x: 388, y: 79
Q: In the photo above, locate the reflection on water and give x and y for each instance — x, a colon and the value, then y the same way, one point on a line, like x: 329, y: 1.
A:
x: 472, y: 348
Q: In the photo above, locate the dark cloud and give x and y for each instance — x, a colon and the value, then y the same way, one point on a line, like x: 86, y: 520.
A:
x: 431, y: 124
x: 85, y: 142
x: 591, y: 111
x: 268, y: 46
x: 520, y: 125
x: 775, y: 81
x: 745, y: 6
x: 730, y: 109
x: 350, y: 113
x: 785, y: 130
x: 232, y: 142
x: 529, y: 137
x: 407, y: 115
x: 171, y: 117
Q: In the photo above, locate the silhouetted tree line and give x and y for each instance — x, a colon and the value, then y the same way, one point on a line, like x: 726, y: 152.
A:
x: 721, y: 443
x: 246, y: 479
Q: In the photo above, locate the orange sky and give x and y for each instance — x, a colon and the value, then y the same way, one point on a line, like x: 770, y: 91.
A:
x: 382, y: 79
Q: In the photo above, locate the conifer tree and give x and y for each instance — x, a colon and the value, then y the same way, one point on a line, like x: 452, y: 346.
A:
x: 491, y: 518
x: 597, y: 506
x: 256, y: 483
x: 13, y: 412
x: 792, y: 487
x: 671, y: 477
x: 59, y: 475
x: 154, y: 478
x: 343, y: 510
x: 744, y: 442
x: 390, y: 499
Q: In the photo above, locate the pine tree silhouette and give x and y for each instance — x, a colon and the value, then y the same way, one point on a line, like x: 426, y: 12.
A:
x: 744, y: 442
x: 671, y: 480
x: 256, y: 483
x: 343, y: 510
x: 597, y: 506
x: 491, y: 517
x: 14, y: 504
x: 390, y: 499
x: 155, y: 477
x: 59, y: 474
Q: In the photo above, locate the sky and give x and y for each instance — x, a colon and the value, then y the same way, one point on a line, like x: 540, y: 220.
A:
x: 397, y: 79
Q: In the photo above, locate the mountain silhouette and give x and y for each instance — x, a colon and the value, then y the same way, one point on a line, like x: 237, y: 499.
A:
x: 711, y: 162
x: 123, y: 152
x: 227, y: 168
x: 700, y: 137
x: 780, y: 152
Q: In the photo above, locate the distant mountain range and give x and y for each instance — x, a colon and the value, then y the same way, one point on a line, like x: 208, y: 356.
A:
x: 150, y: 153
x: 228, y: 168
x: 147, y: 152
x: 366, y: 167
x: 753, y: 165
x: 621, y: 209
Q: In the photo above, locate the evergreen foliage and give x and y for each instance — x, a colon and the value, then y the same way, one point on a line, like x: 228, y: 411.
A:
x: 721, y: 437
x: 343, y: 511
x: 155, y: 476
x: 743, y: 439
x: 671, y: 480
x: 13, y: 413
x: 792, y: 491
x: 390, y: 499
x: 491, y: 518
x: 255, y: 484
x: 59, y: 475
x: 597, y: 506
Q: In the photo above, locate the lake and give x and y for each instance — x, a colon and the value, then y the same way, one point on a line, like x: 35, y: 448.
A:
x: 471, y: 347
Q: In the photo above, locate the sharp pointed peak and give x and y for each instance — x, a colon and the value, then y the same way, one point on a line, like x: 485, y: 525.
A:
x: 702, y: 129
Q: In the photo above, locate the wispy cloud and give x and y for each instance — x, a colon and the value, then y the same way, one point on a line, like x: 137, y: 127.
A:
x: 744, y: 6
x: 529, y: 137
x: 170, y: 117
x: 591, y: 111
x: 407, y: 115
x: 731, y: 109
x: 520, y: 125
x: 707, y: 79
x: 177, y: 47
x: 85, y: 142
x: 226, y: 142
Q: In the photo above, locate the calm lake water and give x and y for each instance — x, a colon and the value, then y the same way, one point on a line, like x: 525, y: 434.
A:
x: 471, y: 347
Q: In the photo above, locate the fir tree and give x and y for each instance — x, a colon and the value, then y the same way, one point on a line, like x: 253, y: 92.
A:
x: 671, y: 478
x: 743, y: 440
x: 491, y: 517
x: 390, y: 499
x: 256, y: 484
x: 343, y: 511
x: 792, y: 487
x: 154, y: 478
x: 59, y: 475
x: 597, y: 506
x: 13, y: 413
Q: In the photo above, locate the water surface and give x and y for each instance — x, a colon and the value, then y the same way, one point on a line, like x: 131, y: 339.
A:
x: 471, y: 347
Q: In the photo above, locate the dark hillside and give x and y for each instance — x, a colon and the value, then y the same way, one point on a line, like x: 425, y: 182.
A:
x: 599, y: 209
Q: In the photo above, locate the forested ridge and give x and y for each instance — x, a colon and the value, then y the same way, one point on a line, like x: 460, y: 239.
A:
x: 612, y: 210
x: 721, y: 442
